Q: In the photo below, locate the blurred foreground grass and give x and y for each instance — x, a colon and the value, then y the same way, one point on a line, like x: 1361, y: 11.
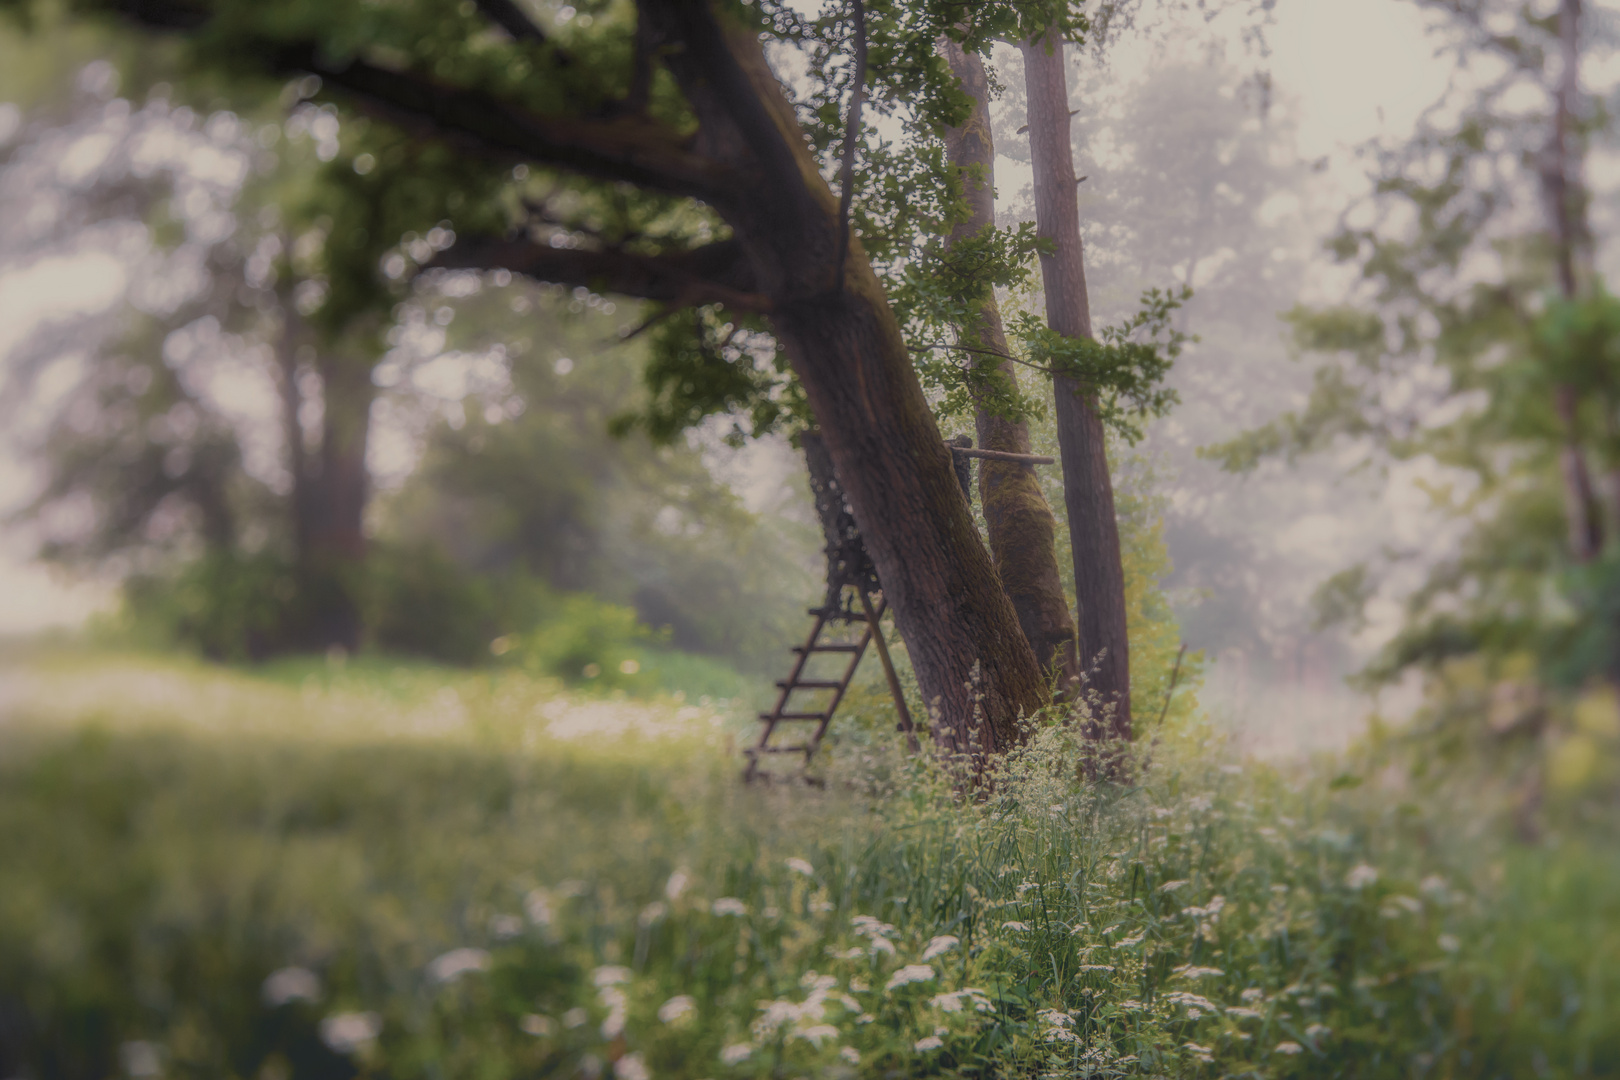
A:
x: 410, y: 872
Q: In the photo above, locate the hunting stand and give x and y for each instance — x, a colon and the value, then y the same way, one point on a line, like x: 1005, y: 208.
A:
x: 852, y: 582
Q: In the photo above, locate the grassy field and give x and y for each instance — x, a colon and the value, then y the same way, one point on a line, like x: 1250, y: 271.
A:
x: 385, y: 870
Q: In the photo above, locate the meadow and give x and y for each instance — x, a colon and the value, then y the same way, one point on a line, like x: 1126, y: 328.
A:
x: 392, y: 870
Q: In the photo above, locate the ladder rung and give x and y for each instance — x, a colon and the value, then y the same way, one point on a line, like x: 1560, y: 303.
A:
x: 838, y: 615
x: 810, y: 684
x: 802, y: 748
x: 829, y: 648
x: 793, y: 716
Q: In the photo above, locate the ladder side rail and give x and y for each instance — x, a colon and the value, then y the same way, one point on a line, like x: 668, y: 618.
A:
x: 801, y: 658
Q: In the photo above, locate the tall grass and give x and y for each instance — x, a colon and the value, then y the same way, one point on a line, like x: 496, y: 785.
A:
x: 339, y: 873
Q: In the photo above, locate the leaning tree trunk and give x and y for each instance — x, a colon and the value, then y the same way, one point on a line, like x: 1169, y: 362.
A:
x: 1088, y: 491
x: 976, y: 672
x: 1019, y: 521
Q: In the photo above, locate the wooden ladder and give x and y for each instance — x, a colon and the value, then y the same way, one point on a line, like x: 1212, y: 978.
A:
x: 783, y: 712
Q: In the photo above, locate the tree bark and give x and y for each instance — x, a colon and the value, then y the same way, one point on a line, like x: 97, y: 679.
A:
x: 1088, y: 491
x: 1561, y: 183
x: 976, y: 672
x: 1017, y: 518
x: 334, y: 559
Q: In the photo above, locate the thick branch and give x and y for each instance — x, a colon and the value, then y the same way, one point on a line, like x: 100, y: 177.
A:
x: 631, y: 149
x: 510, y: 17
x: 713, y: 274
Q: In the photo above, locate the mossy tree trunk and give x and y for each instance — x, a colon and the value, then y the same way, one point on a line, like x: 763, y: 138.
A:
x: 1021, y: 528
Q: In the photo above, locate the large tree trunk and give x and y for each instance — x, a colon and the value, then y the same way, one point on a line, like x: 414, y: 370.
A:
x: 1019, y: 521
x: 1088, y: 491
x: 976, y: 672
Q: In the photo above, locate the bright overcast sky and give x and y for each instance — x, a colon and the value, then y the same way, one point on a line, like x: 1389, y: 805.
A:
x: 1355, y: 68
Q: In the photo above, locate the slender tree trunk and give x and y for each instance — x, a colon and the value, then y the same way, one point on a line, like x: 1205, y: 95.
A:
x: 975, y: 670
x: 292, y: 404
x: 1566, y: 204
x: 334, y: 560
x: 1019, y: 521
x: 1088, y: 490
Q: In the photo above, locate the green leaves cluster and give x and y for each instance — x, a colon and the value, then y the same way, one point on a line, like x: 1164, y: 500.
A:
x: 1124, y: 366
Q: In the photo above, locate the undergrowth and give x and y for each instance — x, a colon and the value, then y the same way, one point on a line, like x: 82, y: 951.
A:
x: 216, y: 874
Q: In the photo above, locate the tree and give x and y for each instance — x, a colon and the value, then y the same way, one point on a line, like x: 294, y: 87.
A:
x: 680, y: 106
x: 1018, y: 521
x: 1099, y: 576
x: 1482, y: 345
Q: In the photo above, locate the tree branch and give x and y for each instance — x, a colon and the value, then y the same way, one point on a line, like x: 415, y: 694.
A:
x: 631, y: 149
x: 852, y: 134
x: 507, y: 15
x: 716, y: 273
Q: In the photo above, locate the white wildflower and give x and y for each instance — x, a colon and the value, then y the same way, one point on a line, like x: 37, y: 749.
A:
x: 859, y: 986
x: 736, y: 1053
x: 676, y: 885
x: 865, y: 1018
x: 882, y: 945
x: 1202, y: 1053
x: 800, y: 866
x: 868, y: 926
x: 1195, y: 1004
x: 850, y: 1054
x: 1289, y: 1048
x: 1096, y: 967
x: 505, y: 926
x: 1055, y: 1018
x: 676, y: 1007
x: 728, y: 905
x: 770, y: 911
x: 1134, y: 939
x: 1200, y: 804
x: 574, y: 1017
x: 1253, y: 993
x: 1190, y: 971
x: 1434, y: 887
x: 618, y: 1003
x: 1208, y: 911
x: 911, y: 973
x: 1448, y: 943
x: 1132, y: 1005
x: 450, y: 966
x: 1243, y: 1013
x: 347, y: 1032
x: 141, y: 1058
x: 652, y: 913
x: 290, y: 984
x: 1172, y: 886
x: 931, y: 1042
x: 610, y: 975
x: 1015, y: 925
x: 814, y: 1035
x: 537, y: 906
x: 1316, y: 1031
x: 940, y: 945
x: 1360, y: 876
x: 631, y: 1067
x: 854, y: 952
x: 537, y: 1025
x: 956, y: 1000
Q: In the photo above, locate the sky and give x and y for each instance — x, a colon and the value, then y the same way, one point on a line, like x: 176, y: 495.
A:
x: 1353, y: 68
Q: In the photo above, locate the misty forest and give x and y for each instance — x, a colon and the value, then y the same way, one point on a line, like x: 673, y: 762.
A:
x: 628, y: 539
